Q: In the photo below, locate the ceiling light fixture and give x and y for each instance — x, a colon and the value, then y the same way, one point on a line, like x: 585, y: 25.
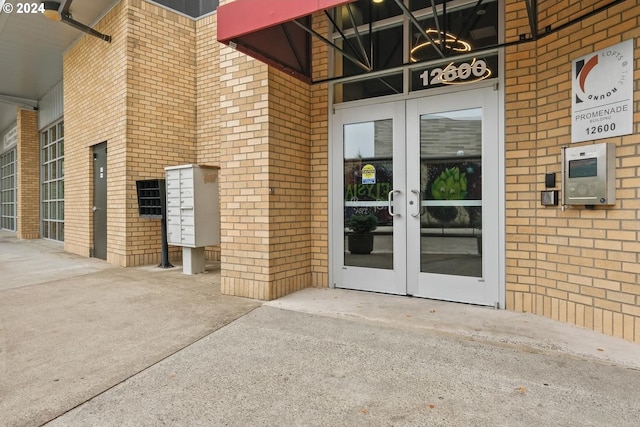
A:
x: 450, y: 41
x: 51, y: 10
x: 57, y: 12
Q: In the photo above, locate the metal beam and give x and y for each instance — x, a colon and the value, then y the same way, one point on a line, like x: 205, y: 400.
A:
x: 358, y: 38
x: 17, y: 101
x: 333, y: 45
x: 434, y: 11
x: 342, y: 35
x: 467, y: 22
x: 532, y: 12
x: 301, y: 65
x: 415, y: 22
x: 65, y: 16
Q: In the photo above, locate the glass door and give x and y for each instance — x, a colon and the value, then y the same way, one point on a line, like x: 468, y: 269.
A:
x: 369, y: 220
x: 416, y: 197
x: 453, y: 200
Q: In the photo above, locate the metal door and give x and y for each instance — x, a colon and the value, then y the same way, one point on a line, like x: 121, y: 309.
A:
x: 453, y: 180
x: 369, y: 185
x: 100, y: 201
x: 428, y: 171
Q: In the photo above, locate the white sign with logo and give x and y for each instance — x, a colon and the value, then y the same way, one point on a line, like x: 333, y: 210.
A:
x: 602, y: 91
x: 10, y: 139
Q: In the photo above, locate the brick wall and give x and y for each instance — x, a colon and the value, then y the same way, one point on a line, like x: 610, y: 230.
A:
x: 137, y: 93
x: 208, y: 91
x: 578, y: 266
x: 95, y: 111
x: 208, y: 99
x: 274, y: 181
x: 244, y: 184
x: 161, y: 115
x: 28, y: 175
x: 289, y: 185
x: 319, y: 158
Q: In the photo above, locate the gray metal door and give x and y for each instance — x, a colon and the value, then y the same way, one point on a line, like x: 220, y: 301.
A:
x: 100, y: 201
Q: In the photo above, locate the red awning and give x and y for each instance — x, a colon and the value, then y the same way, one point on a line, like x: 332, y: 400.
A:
x: 264, y: 29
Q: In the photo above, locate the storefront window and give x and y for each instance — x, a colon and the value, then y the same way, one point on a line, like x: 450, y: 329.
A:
x: 441, y: 35
x: 368, y: 88
x: 451, y: 31
x: 8, y: 190
x: 52, y: 182
x: 363, y: 12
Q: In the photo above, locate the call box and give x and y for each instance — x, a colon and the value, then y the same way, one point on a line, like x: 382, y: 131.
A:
x: 590, y: 175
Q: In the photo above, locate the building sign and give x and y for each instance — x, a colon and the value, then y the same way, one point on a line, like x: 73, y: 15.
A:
x: 602, y: 93
x: 10, y: 139
x: 460, y: 72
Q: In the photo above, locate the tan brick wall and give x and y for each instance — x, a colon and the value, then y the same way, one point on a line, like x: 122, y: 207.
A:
x: 95, y: 111
x: 208, y: 91
x: 319, y: 160
x: 28, y: 175
x: 161, y: 115
x: 244, y: 185
x: 289, y: 184
x: 208, y: 99
x: 137, y: 93
x: 578, y: 266
x: 274, y: 179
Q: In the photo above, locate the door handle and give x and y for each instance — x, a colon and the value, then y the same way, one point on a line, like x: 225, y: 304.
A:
x: 95, y: 209
x: 390, y: 198
x: 419, y: 212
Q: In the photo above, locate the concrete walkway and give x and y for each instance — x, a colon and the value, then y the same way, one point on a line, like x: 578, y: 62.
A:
x: 83, y: 343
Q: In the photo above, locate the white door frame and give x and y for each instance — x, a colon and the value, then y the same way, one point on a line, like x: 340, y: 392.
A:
x: 477, y: 290
x: 370, y: 279
x: 336, y: 240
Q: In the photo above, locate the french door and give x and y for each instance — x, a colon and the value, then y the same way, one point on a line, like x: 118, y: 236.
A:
x: 425, y: 175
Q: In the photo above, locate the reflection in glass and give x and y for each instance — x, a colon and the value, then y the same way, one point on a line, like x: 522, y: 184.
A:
x: 451, y: 193
x: 471, y: 27
x: 368, y: 88
x: 387, y: 51
x: 365, y: 11
x: 368, y: 179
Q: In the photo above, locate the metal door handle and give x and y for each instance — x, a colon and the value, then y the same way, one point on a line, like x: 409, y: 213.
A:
x: 95, y: 209
x: 390, y: 207
x: 419, y: 194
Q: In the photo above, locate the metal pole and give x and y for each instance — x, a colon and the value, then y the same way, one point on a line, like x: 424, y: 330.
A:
x: 163, y: 227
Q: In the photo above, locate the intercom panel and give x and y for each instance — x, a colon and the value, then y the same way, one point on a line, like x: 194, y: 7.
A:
x: 590, y: 175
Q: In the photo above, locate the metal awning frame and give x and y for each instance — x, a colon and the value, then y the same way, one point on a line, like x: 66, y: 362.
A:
x: 366, y: 61
x: 65, y: 16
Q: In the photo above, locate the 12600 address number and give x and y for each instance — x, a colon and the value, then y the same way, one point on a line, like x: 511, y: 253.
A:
x: 465, y: 72
x: 593, y: 130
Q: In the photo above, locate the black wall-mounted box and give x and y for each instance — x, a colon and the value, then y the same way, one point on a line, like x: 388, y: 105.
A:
x: 151, y: 197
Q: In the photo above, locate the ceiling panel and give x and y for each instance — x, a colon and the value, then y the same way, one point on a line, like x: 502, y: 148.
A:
x: 31, y: 48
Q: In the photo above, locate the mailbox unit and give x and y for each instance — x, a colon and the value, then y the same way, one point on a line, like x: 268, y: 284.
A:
x: 193, y: 214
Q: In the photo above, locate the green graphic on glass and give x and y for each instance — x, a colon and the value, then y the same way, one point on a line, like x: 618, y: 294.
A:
x: 450, y: 185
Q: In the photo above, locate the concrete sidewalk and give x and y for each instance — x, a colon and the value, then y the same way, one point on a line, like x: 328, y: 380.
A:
x: 83, y: 343
x: 72, y: 327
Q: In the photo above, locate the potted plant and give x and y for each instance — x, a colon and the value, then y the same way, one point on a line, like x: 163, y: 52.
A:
x: 361, y: 239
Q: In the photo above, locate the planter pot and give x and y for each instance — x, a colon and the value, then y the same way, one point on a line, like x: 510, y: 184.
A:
x: 361, y: 244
